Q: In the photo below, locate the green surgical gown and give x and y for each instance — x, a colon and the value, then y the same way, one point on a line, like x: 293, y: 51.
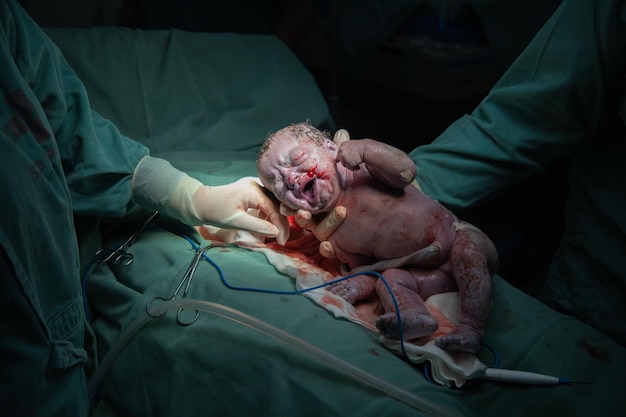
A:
x: 564, y: 97
x: 62, y: 165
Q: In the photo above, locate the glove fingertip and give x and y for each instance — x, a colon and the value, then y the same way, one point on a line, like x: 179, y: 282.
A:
x: 341, y: 136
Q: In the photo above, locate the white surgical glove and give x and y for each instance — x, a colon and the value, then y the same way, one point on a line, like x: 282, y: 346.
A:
x: 157, y: 185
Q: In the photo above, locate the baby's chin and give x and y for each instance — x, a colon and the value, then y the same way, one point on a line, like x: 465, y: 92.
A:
x: 305, y: 205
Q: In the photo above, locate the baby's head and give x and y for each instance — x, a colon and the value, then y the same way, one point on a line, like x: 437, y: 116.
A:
x: 298, y: 164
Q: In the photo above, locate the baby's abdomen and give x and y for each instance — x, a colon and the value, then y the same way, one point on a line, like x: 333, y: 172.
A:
x: 356, y: 245
x: 391, y: 229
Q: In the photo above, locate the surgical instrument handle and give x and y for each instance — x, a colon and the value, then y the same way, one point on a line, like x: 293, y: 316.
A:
x: 121, y: 257
x: 521, y: 377
x: 136, y: 235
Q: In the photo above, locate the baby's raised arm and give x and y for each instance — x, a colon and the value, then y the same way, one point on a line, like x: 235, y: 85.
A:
x: 385, y: 162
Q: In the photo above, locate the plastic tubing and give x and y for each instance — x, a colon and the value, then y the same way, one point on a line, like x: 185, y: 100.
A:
x: 158, y: 309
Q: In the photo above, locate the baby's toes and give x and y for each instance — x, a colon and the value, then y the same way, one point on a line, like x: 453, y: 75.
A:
x: 462, y: 339
x: 343, y: 290
x: 387, y: 325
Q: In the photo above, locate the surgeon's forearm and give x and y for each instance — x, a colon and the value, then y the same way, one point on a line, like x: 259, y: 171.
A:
x: 552, y: 98
x: 157, y: 185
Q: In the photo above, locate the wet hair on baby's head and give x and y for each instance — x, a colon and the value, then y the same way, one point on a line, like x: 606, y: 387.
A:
x: 303, y: 132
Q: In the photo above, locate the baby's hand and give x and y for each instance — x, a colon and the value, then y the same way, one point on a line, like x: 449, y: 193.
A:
x: 350, y: 154
x: 387, y: 163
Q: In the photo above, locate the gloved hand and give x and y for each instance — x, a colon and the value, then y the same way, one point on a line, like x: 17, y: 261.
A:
x: 157, y: 185
x: 341, y: 136
x: 322, y: 229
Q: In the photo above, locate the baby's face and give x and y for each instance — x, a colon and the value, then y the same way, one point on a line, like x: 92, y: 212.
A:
x: 301, y: 175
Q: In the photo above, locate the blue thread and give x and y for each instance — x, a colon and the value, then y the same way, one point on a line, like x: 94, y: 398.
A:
x: 297, y: 292
x: 496, y: 356
x: 427, y: 373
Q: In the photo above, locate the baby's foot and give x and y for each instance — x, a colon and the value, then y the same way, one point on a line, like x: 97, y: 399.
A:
x: 345, y: 290
x: 354, y: 289
x: 464, y: 339
x: 414, y: 325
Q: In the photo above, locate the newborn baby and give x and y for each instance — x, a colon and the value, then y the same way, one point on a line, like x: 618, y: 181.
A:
x: 391, y: 227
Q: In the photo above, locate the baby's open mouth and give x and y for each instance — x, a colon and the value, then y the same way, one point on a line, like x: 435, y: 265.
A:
x: 308, y: 191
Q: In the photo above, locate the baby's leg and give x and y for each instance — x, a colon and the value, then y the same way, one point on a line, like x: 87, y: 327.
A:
x: 410, y: 288
x: 414, y: 259
x: 474, y: 260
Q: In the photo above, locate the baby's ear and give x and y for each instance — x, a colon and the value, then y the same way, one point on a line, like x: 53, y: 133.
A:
x: 332, y: 147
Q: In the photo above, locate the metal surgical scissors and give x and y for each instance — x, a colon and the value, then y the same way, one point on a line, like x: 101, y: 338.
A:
x: 119, y: 256
x: 186, y: 281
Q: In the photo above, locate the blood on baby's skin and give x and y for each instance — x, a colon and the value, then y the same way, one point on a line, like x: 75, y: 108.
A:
x: 314, y: 172
x: 323, y: 175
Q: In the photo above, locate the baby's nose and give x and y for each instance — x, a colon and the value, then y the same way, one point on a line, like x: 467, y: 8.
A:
x: 292, y: 179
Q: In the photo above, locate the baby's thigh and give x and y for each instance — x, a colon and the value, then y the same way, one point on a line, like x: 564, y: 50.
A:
x: 473, y: 252
x: 431, y: 282
x: 424, y: 282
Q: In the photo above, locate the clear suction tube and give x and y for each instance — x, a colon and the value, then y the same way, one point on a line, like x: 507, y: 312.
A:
x: 357, y: 374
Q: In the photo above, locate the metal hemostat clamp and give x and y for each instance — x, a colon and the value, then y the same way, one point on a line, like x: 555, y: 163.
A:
x: 119, y: 256
x: 186, y: 282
